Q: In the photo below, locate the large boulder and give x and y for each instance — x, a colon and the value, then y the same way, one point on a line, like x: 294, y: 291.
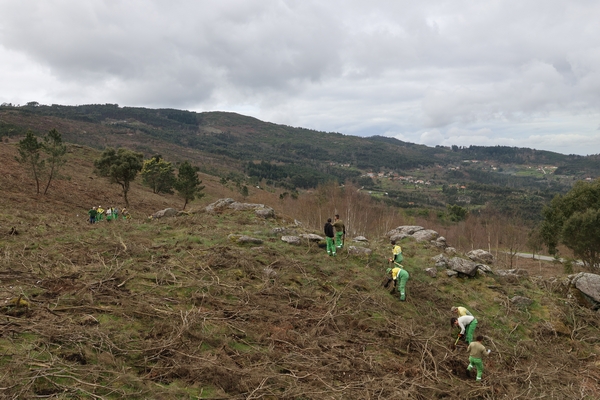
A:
x: 588, y: 284
x: 425, y: 235
x: 481, y: 256
x: 167, y: 212
x: 311, y: 237
x: 291, y: 239
x: 463, y: 266
x: 265, y: 212
x: 219, y: 205
x: 260, y: 209
x: 406, y: 230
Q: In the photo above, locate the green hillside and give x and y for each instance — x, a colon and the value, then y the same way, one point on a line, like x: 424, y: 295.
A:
x: 174, y: 308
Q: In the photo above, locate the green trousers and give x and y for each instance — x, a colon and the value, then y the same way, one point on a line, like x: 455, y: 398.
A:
x: 402, y: 278
x: 478, y: 364
x: 330, y: 246
x: 470, y: 330
x: 339, y: 239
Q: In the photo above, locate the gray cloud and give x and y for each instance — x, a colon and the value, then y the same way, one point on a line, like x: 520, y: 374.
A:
x: 512, y: 73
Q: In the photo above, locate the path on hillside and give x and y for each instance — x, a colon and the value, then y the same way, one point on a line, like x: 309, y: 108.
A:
x: 545, y: 258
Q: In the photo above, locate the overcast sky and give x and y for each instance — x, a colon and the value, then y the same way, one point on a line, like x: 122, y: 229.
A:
x: 522, y: 73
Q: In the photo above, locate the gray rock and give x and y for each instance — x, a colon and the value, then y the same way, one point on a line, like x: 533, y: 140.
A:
x: 425, y: 235
x: 360, y: 239
x: 311, y: 237
x: 432, y: 272
x: 521, y: 301
x: 441, y: 261
x: 359, y: 251
x: 265, y: 212
x: 219, y: 205
x: 167, y: 212
x: 283, y: 231
x: 405, y: 230
x: 451, y: 273
x: 244, y: 206
x: 243, y: 239
x: 481, y: 256
x: 484, y: 268
x: 291, y: 239
x: 398, y: 237
x: 463, y: 266
x: 440, y: 242
x: 451, y: 251
x: 588, y: 284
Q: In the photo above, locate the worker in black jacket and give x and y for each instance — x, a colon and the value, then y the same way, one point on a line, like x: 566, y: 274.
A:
x: 329, y: 237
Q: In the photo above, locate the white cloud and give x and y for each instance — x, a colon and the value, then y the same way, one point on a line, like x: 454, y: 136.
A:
x: 511, y: 72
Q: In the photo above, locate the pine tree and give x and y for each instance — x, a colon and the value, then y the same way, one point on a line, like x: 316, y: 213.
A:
x: 188, y: 184
x: 30, y: 154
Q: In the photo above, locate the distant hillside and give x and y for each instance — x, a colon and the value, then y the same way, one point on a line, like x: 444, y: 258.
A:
x: 243, y: 148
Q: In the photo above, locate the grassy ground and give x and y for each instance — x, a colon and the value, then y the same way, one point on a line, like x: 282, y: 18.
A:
x: 172, y: 308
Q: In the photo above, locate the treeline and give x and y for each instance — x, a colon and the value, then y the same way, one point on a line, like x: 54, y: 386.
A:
x: 292, y: 176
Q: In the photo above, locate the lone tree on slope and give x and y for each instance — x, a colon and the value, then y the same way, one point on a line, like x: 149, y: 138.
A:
x: 30, y: 154
x: 56, y: 150
x: 120, y: 166
x: 188, y: 185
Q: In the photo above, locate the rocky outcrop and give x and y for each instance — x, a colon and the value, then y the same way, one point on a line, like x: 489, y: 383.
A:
x: 441, y: 261
x: 222, y: 204
x: 404, y: 231
x: 311, y: 237
x: 360, y: 239
x: 425, y: 235
x: 463, y: 266
x: 291, y: 239
x: 451, y: 251
x: 167, y: 212
x: 481, y: 256
x: 219, y: 205
x: 589, y: 286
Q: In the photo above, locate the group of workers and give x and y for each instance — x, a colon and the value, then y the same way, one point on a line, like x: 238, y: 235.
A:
x: 97, y: 214
x: 464, y: 320
x: 467, y: 324
x: 335, y: 234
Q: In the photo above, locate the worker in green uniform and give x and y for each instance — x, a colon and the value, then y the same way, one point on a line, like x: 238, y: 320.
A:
x: 467, y: 325
x: 476, y: 353
x: 340, y: 231
x: 397, y: 273
x: 329, y: 237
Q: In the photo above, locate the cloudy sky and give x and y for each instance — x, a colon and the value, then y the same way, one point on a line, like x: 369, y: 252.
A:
x: 495, y: 72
